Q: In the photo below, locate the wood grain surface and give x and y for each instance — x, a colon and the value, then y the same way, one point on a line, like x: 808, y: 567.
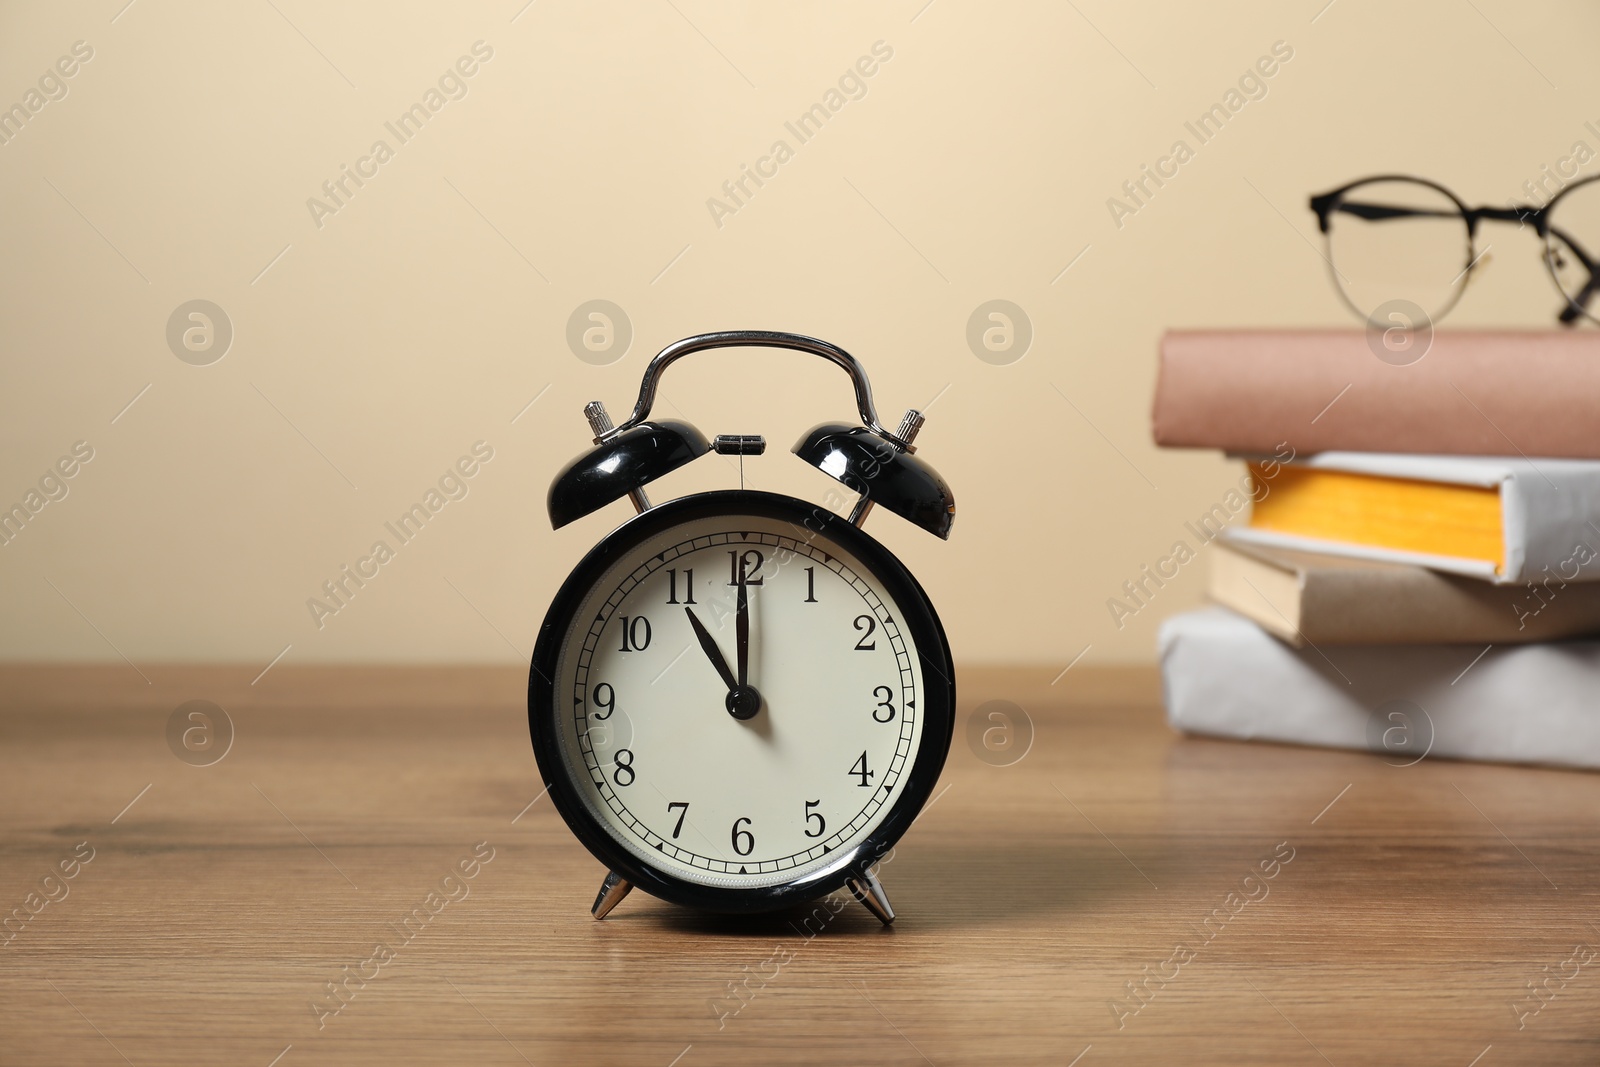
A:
x: 1270, y: 905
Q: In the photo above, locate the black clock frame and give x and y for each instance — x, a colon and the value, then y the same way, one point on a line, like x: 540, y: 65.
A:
x: 918, y: 619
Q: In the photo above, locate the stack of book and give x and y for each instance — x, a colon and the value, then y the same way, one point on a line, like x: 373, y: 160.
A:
x: 1419, y: 568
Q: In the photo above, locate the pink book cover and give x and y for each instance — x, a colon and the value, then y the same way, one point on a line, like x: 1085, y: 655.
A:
x: 1488, y: 393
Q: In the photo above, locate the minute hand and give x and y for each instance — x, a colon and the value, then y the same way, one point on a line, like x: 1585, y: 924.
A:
x: 741, y: 629
x: 713, y: 653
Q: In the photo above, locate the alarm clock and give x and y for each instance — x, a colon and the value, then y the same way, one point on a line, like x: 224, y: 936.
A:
x: 739, y: 700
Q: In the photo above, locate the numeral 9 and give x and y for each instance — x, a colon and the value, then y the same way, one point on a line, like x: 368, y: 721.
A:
x: 603, y: 697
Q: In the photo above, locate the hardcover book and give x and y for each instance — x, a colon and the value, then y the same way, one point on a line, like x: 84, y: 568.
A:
x: 1511, y: 521
x: 1476, y: 393
x: 1308, y: 597
x: 1224, y: 676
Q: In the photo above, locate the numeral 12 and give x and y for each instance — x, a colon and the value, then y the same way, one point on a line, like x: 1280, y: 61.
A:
x: 750, y: 561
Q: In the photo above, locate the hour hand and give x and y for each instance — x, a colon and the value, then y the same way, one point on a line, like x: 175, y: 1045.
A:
x: 713, y: 653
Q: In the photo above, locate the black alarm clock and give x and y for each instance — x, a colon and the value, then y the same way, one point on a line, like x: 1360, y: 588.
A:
x: 739, y: 700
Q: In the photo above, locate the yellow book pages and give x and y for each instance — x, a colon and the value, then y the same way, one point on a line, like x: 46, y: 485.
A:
x: 1396, y: 513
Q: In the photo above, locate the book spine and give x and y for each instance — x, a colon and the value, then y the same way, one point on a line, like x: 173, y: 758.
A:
x: 1552, y: 528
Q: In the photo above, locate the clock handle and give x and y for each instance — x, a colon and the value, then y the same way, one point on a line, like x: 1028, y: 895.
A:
x: 760, y: 339
x: 878, y: 464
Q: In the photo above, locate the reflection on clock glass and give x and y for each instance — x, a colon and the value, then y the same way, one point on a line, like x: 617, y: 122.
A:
x: 642, y: 705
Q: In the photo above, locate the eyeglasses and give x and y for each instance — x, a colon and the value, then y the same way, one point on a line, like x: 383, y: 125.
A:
x: 1409, y: 245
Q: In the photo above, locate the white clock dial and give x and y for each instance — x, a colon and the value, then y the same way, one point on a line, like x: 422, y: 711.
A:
x: 642, y: 718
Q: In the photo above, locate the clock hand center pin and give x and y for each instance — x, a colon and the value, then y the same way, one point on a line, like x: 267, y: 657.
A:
x: 742, y: 701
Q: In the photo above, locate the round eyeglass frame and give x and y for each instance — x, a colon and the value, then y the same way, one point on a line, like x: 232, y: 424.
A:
x: 1539, y: 216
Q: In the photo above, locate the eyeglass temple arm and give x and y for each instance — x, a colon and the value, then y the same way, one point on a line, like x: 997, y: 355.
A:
x: 1378, y: 212
x: 1578, y: 305
x: 1326, y: 205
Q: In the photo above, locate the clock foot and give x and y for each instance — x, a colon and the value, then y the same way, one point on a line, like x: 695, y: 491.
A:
x: 870, y: 892
x: 612, y: 890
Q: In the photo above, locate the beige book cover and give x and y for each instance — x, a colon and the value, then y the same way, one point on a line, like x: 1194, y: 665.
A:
x: 1307, y: 597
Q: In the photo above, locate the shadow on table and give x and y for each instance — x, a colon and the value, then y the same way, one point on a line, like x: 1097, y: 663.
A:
x: 944, y: 885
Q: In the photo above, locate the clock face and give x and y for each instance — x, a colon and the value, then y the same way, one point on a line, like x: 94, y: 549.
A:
x: 675, y: 766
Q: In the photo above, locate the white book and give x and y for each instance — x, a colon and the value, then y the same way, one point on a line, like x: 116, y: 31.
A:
x: 1223, y: 675
x: 1549, y: 513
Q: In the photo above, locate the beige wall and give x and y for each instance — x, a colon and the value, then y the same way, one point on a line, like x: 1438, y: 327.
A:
x: 425, y: 313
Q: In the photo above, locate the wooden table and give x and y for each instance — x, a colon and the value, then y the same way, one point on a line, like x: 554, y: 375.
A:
x: 1406, y: 912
